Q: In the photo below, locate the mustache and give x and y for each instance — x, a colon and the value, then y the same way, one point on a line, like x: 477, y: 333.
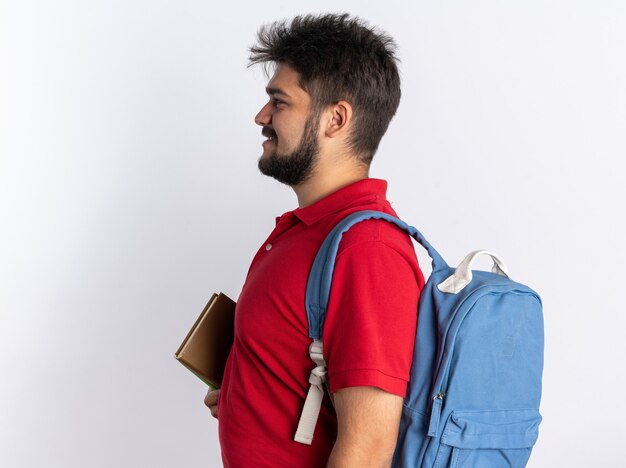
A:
x: 267, y: 132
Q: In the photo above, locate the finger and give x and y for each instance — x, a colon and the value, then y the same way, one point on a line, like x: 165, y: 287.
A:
x: 211, y: 398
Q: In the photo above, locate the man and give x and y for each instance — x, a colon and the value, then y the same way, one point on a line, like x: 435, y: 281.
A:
x: 334, y: 90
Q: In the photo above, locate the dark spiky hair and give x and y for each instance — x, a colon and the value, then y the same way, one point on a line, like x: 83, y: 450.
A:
x: 339, y: 57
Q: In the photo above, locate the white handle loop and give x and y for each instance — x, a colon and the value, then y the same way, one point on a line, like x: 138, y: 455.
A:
x: 463, y: 274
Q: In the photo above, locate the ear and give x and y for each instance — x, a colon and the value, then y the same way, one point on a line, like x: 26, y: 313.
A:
x: 340, y: 119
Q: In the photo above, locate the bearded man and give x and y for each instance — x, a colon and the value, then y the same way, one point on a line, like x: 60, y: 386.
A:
x: 335, y: 87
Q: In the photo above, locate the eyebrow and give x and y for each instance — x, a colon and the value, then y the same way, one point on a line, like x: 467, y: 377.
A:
x: 272, y: 91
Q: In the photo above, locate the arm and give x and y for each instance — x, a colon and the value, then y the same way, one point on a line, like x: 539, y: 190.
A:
x: 368, y: 420
x: 368, y: 341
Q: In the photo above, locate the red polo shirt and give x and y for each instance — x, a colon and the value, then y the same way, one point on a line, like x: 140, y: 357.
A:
x: 368, y: 334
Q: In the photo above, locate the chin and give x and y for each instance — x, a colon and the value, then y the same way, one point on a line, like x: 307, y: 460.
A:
x: 266, y: 155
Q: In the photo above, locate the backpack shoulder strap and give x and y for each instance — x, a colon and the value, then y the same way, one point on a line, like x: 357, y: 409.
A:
x: 320, y: 277
x: 316, y: 302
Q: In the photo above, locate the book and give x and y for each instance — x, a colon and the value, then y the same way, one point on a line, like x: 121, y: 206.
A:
x: 206, y: 347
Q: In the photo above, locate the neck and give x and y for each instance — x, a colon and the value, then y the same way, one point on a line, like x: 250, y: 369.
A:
x: 323, y: 183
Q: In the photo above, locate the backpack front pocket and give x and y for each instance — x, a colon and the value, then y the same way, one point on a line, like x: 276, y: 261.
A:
x: 488, y: 439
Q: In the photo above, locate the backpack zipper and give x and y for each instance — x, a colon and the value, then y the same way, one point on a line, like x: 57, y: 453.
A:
x: 442, y: 367
x: 443, y: 364
x: 435, y: 414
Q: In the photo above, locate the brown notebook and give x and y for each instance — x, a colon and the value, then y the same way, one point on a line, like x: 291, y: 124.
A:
x: 205, y: 349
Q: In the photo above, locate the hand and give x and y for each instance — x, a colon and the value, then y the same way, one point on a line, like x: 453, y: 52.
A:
x: 211, y: 401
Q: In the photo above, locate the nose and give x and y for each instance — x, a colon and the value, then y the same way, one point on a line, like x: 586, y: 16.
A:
x: 264, y: 117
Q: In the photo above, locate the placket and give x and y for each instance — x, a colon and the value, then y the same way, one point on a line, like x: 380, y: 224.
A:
x: 285, y: 222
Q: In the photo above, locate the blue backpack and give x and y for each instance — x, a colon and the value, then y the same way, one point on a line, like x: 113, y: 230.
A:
x: 475, y: 384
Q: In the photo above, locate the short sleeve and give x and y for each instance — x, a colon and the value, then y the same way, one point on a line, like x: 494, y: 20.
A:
x: 371, y: 320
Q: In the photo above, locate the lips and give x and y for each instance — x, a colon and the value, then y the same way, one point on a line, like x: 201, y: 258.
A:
x: 269, y: 134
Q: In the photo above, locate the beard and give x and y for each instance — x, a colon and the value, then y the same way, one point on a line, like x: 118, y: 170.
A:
x: 296, y: 167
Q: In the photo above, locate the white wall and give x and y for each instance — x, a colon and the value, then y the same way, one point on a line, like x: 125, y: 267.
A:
x: 129, y: 192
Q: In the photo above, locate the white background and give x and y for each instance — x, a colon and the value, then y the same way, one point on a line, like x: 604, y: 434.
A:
x: 129, y: 193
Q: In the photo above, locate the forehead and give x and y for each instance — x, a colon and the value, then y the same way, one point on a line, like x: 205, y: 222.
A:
x: 286, y: 81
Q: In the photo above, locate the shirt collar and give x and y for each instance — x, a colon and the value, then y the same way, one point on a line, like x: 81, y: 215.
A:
x: 355, y: 193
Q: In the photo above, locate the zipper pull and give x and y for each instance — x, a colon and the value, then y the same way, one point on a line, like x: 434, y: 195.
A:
x: 435, y: 414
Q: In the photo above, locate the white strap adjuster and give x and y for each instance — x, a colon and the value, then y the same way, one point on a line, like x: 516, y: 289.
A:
x: 313, y: 402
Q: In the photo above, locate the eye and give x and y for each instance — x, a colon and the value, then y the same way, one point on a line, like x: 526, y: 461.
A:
x: 277, y: 102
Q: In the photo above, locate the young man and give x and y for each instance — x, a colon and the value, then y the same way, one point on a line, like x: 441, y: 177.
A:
x: 334, y: 90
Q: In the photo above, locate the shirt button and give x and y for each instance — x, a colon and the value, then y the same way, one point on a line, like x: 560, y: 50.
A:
x: 268, y: 247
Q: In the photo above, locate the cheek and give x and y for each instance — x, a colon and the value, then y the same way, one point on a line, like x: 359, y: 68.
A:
x: 289, y: 133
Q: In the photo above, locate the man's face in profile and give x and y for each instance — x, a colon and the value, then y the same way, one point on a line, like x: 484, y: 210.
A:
x: 291, y: 149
